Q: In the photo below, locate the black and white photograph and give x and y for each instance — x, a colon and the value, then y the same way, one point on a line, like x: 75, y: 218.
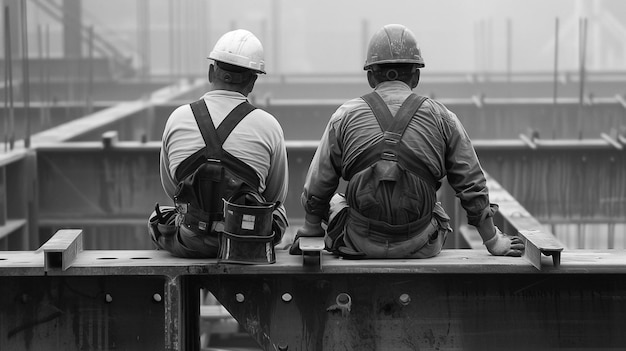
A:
x: 313, y: 175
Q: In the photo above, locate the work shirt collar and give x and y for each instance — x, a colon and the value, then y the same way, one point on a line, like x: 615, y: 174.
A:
x: 225, y: 94
x: 393, y: 91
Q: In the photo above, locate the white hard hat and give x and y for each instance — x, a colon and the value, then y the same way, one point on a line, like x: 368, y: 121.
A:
x: 240, y: 48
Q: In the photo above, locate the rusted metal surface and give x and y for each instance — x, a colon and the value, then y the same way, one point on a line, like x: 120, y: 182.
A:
x: 81, y: 313
x: 461, y: 299
x: 427, y: 312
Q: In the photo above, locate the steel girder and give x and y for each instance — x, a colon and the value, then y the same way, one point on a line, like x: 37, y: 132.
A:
x: 389, y: 311
x: 566, y: 180
x: 62, y: 297
x: 461, y: 299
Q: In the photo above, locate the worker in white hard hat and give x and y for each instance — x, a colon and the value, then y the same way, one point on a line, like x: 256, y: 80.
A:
x: 252, y: 150
x: 393, y: 147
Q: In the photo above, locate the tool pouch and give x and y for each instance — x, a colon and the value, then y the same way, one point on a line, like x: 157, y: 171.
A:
x: 248, y: 237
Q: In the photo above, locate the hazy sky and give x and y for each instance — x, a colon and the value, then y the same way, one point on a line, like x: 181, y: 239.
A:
x: 330, y: 36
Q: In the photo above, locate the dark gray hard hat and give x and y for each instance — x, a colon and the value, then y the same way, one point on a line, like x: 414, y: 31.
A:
x: 393, y: 43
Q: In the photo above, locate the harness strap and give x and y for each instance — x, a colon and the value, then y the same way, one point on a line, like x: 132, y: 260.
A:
x: 206, y: 126
x: 214, y: 139
x: 380, y: 109
x: 393, y: 129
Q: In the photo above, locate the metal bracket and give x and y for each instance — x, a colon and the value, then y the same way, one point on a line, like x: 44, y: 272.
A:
x: 61, y: 250
x: 538, y: 243
x: 312, y: 252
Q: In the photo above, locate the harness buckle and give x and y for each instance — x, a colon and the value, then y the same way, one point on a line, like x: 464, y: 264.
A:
x: 389, y: 156
x: 181, y: 207
x: 391, y: 138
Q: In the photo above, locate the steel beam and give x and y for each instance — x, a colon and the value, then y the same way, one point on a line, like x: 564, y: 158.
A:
x: 515, y: 220
x: 461, y: 299
x: 426, y: 311
x: 118, y: 185
x: 82, y: 313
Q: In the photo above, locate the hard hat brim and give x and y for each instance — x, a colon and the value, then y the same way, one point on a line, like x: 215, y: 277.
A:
x: 239, y: 61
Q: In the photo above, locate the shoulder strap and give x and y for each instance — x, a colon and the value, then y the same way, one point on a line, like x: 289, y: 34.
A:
x: 205, y: 124
x: 380, y: 109
x: 232, y: 120
x: 214, y: 138
x: 393, y: 129
x: 405, y: 114
x: 403, y: 117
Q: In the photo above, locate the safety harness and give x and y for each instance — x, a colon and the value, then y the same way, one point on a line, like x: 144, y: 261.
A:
x: 385, y: 161
x: 201, y: 176
x: 393, y: 130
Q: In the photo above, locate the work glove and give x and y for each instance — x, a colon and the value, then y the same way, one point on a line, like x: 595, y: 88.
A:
x: 504, y: 245
x: 310, y: 229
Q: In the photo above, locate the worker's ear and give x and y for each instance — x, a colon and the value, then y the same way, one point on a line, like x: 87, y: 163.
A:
x: 415, y: 79
x: 370, y: 79
x: 211, y: 73
x: 250, y: 85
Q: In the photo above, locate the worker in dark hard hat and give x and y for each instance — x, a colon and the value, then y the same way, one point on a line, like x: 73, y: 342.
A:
x: 393, y: 147
x: 253, y: 150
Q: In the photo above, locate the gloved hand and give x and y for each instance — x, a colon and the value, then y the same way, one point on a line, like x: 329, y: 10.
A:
x: 504, y: 245
x: 311, y: 228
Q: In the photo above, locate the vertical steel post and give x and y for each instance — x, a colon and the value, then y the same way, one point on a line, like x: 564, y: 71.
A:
x: 6, y: 85
x: 170, y: 29
x: 3, y: 196
x: 276, y: 35
x: 509, y: 52
x: 556, y: 77
x: 143, y: 13
x: 47, y: 74
x: 365, y: 37
x: 89, y: 94
x: 25, y: 72
x: 582, y: 56
x: 182, y: 314
x: 9, y: 77
x: 489, y: 39
x: 42, y: 68
x: 72, y: 26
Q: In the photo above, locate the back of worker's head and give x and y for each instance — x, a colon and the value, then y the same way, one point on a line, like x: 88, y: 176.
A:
x: 393, y: 54
x: 238, y: 59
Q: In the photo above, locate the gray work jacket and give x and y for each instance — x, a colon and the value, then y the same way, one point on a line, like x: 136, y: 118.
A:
x: 436, y: 136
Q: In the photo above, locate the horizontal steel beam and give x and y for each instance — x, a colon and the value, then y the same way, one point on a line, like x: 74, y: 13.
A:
x: 426, y: 311
x: 462, y: 299
x: 99, y: 180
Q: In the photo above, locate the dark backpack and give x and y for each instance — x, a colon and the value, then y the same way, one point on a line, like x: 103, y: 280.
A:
x: 211, y: 174
x: 389, y: 187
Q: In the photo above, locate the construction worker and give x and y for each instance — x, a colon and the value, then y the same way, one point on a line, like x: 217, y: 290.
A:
x: 393, y: 147
x: 255, y: 148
